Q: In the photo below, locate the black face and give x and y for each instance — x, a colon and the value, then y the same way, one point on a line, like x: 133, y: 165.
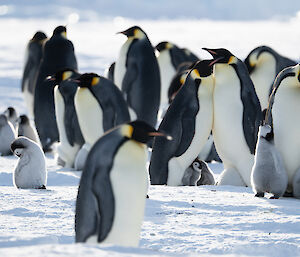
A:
x: 204, y: 68
x: 130, y: 32
x: 220, y: 55
x: 38, y: 36
x: 11, y: 111
x: 16, y: 145
x: 161, y: 46
x: 24, y: 119
x: 59, y: 30
x: 86, y: 79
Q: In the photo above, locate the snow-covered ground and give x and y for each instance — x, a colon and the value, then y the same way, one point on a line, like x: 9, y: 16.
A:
x: 179, y: 221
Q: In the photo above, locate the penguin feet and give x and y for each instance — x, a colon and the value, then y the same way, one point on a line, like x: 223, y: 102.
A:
x: 260, y: 194
x: 42, y: 187
x: 274, y: 197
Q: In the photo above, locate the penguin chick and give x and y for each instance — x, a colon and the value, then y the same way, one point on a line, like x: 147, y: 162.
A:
x: 7, y: 135
x: 30, y: 171
x: 268, y: 172
x: 26, y: 129
x: 113, y: 187
x: 197, y: 174
x: 12, y: 116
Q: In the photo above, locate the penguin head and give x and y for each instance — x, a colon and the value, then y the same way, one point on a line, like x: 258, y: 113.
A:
x: 60, y: 30
x: 221, y: 55
x: 62, y: 75
x: 164, y: 46
x: 23, y: 119
x: 265, y: 131
x: 134, y: 32
x: 10, y: 112
x: 290, y: 76
x: 141, y: 132
x: 88, y: 80
x: 20, y: 144
x: 39, y: 36
x: 259, y: 56
x: 203, y: 68
x: 197, y: 165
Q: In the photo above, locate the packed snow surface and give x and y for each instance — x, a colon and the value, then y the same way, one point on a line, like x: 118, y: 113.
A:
x: 179, y: 221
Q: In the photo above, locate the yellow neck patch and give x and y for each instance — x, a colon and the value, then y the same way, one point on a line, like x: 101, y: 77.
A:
x: 232, y: 60
x: 126, y: 130
x: 195, y: 74
x: 138, y: 34
x: 95, y: 81
x: 66, y: 75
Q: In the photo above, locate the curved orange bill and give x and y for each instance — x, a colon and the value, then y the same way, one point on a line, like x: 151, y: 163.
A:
x: 159, y: 134
x: 215, y: 61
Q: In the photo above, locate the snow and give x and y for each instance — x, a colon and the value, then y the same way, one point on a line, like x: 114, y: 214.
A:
x: 179, y: 221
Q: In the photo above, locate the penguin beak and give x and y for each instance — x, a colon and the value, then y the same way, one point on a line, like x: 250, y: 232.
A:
x: 213, y: 53
x: 159, y: 134
x: 215, y: 61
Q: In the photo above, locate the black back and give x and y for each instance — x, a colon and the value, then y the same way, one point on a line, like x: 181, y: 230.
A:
x: 141, y: 82
x: 58, y: 54
x: 252, y: 115
x: 111, y: 71
x: 68, y: 89
x: 113, y: 105
x: 34, y: 51
x: 178, y: 122
x: 95, y: 205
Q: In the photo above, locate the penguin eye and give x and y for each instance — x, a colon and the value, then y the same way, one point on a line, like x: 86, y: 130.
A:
x: 196, y: 164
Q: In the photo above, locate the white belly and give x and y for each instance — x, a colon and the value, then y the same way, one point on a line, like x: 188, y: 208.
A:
x: 262, y: 78
x: 65, y: 151
x: 167, y: 72
x: 286, y: 124
x: 90, y: 115
x: 228, y: 123
x: 203, y: 127
x: 129, y: 179
x: 120, y: 66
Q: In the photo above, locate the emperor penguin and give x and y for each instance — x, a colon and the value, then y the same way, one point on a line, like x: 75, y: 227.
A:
x: 137, y: 75
x: 263, y: 64
x: 70, y: 136
x: 30, y: 171
x: 268, y: 172
x: 7, y: 135
x: 284, y: 102
x: 12, y: 116
x: 188, y: 121
x: 26, y: 129
x: 99, y: 105
x: 113, y: 187
x: 197, y: 174
x: 33, y: 57
x: 58, y: 53
x: 237, y: 116
x: 169, y: 57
